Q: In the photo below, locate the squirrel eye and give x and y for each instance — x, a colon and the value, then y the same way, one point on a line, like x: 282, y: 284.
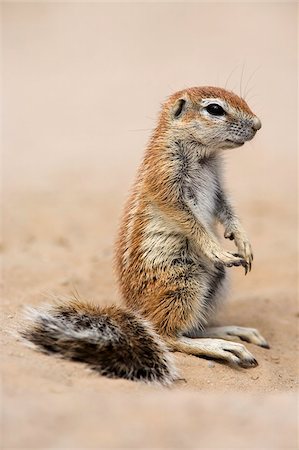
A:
x: 215, y: 109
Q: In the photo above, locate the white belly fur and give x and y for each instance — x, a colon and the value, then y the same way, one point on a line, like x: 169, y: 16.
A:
x: 203, y: 186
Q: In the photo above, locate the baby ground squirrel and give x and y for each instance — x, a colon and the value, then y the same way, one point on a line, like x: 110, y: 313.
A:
x: 170, y: 265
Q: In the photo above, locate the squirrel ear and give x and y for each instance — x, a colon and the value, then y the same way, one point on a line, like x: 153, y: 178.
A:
x: 179, y: 107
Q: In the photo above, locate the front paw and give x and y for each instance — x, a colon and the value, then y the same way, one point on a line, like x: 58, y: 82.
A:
x: 229, y: 259
x: 243, y: 245
x: 244, y: 249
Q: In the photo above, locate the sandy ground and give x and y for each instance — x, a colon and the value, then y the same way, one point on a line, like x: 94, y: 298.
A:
x: 66, y: 175
x: 64, y: 242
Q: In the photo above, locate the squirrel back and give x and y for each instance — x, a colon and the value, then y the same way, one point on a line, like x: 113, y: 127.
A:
x: 113, y: 341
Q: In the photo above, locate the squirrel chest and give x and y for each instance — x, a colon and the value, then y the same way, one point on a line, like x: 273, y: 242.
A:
x: 200, y: 189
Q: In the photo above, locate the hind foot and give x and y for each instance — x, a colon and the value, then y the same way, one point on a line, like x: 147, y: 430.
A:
x: 250, y: 335
x: 218, y: 349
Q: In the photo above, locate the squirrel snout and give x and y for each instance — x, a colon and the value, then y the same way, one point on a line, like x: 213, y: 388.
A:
x: 256, y: 123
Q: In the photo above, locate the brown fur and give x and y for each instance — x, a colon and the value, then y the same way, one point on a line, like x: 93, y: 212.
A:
x: 170, y: 266
x: 112, y: 341
x: 147, y: 289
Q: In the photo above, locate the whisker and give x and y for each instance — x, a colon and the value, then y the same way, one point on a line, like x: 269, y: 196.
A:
x: 251, y: 97
x: 241, y: 80
x: 250, y: 89
x: 250, y: 78
x: 230, y: 75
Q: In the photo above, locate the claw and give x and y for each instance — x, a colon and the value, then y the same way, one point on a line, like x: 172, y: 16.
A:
x: 265, y: 345
x: 249, y: 362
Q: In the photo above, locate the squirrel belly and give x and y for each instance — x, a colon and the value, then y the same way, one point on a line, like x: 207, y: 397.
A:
x: 111, y: 340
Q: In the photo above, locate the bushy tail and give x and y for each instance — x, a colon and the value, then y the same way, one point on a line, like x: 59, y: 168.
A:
x: 111, y: 340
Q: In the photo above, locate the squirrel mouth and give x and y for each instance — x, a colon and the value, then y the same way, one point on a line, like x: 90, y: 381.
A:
x: 237, y: 143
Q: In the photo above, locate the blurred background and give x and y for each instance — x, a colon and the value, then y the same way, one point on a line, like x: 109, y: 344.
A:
x: 82, y: 86
x: 83, y: 83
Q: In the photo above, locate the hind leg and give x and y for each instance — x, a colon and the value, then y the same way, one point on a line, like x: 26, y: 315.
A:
x: 183, y: 305
x: 228, y: 333
x: 219, y: 349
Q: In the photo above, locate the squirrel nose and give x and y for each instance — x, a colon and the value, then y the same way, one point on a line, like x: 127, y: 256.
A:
x: 256, y: 124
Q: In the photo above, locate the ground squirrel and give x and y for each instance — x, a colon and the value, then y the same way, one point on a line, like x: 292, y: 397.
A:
x: 170, y: 265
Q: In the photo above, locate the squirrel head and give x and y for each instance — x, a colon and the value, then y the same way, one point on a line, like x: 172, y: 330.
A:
x: 212, y: 117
